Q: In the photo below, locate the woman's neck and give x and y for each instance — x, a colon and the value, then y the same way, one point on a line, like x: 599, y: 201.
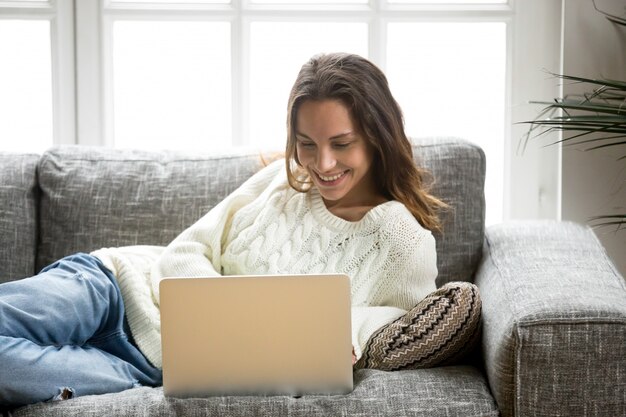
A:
x: 353, y: 212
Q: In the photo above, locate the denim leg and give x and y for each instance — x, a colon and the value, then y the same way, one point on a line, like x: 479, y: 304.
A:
x: 64, y: 329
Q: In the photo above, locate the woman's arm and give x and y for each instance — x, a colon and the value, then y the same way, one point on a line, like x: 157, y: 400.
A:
x: 398, y: 288
x: 197, y: 250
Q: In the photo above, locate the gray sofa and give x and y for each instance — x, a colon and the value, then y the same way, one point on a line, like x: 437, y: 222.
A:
x: 554, y: 307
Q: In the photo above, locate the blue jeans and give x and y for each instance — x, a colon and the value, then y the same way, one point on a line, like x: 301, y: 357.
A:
x: 63, y: 333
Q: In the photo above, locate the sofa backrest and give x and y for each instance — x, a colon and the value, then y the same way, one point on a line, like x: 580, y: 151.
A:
x: 19, y: 197
x: 98, y: 197
x: 458, y: 169
x: 95, y: 197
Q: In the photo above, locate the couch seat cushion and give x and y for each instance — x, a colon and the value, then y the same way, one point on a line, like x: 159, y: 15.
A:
x: 446, y: 391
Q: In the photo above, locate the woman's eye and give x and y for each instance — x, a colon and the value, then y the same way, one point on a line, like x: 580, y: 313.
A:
x: 306, y: 144
x: 342, y: 145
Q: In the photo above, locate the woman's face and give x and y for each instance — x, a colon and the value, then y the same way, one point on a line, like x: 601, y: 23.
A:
x: 335, y: 154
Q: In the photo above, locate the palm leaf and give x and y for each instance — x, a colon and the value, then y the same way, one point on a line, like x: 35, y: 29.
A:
x: 601, y: 113
x: 604, y: 82
x: 618, y: 220
x: 595, y: 120
x: 584, y: 106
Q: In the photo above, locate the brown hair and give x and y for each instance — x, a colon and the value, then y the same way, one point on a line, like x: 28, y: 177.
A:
x: 363, y: 88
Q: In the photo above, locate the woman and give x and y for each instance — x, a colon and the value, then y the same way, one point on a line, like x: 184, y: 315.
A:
x: 350, y: 200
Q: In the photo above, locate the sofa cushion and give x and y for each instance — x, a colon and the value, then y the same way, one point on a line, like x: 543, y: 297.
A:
x: 554, y: 320
x: 99, y: 197
x: 458, y: 170
x: 440, y: 330
x: 18, y: 215
x: 447, y: 391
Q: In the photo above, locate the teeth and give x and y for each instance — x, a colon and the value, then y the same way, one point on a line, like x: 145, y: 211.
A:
x: 333, y: 178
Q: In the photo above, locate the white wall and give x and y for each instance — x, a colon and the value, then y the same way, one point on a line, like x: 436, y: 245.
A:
x: 594, y: 182
x: 532, y: 190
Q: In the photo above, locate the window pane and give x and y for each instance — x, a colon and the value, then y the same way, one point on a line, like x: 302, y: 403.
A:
x: 25, y: 86
x: 325, y: 2
x: 275, y: 61
x: 177, y: 2
x: 449, y: 79
x: 472, y: 2
x: 172, y: 85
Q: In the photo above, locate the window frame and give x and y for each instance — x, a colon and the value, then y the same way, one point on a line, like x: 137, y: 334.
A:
x: 61, y: 17
x: 94, y: 115
x: 81, y: 69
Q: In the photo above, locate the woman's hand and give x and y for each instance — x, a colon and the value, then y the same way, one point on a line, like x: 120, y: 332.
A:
x: 353, y: 356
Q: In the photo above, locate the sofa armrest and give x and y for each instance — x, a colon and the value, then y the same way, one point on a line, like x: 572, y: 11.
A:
x: 554, y: 321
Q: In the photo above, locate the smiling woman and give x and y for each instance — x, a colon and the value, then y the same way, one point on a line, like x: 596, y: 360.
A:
x: 347, y: 138
x: 337, y: 158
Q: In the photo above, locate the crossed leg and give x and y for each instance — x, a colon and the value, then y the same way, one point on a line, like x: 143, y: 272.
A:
x: 62, y: 333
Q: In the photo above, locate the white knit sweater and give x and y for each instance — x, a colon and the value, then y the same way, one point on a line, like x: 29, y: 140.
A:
x: 266, y: 227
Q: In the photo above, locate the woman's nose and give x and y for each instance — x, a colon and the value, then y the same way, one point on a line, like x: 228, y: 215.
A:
x: 325, y: 160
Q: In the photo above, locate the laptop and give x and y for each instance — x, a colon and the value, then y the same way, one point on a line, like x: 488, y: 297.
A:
x: 256, y: 335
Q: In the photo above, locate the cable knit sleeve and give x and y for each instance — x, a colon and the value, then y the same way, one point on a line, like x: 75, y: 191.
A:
x: 415, y: 272
x: 407, y: 277
x: 197, y: 250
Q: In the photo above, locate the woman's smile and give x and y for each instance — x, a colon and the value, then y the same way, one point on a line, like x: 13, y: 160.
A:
x: 331, y: 180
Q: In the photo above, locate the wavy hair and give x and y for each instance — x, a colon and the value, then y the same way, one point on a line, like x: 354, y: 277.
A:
x: 363, y: 89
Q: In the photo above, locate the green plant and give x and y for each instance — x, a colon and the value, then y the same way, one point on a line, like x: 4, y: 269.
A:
x: 591, y: 121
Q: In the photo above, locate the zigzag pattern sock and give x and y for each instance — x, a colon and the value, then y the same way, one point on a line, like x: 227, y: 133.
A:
x: 440, y: 329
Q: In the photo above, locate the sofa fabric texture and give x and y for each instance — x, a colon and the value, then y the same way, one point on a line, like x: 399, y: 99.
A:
x: 553, y: 305
x: 439, y: 392
x: 19, y: 204
x: 98, y: 197
x: 553, y: 321
x: 458, y: 171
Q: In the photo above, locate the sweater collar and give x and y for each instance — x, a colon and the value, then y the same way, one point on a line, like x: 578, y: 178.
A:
x: 372, y: 218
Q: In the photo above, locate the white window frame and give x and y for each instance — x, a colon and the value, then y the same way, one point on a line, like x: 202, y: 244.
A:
x: 60, y: 14
x: 94, y: 22
x: 81, y: 68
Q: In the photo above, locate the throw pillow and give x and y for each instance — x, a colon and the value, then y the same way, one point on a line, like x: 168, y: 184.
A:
x: 439, y: 330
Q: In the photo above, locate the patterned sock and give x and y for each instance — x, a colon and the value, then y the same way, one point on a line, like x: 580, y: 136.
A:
x: 440, y: 329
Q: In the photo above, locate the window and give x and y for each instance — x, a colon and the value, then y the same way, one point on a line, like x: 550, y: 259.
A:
x: 449, y: 78
x: 212, y: 74
x: 171, y: 84
x: 36, y: 74
x: 26, y: 85
x: 275, y: 60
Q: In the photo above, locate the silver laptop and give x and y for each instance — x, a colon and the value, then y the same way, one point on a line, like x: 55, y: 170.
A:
x: 256, y: 335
